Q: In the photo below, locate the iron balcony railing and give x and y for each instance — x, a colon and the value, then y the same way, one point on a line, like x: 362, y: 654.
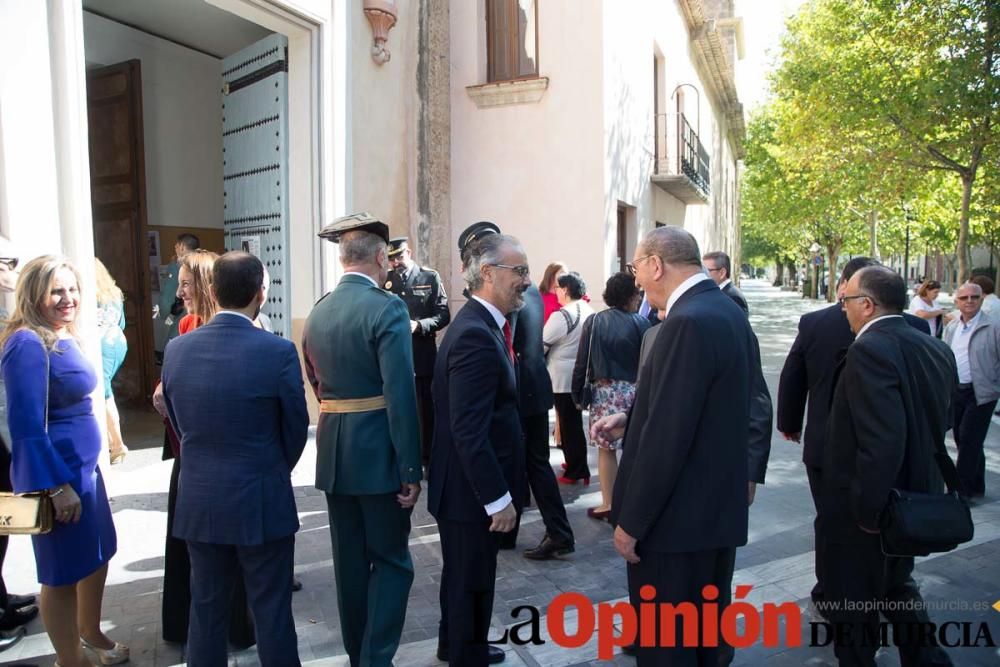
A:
x: 679, y: 151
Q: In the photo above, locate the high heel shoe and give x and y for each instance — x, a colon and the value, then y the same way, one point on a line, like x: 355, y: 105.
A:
x: 119, y: 456
x: 570, y: 481
x: 115, y: 655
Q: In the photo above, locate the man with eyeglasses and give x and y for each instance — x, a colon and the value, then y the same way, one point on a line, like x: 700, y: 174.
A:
x: 15, y: 610
x: 807, y: 381
x: 476, y: 479
x: 720, y: 269
x: 974, y: 338
x: 888, y: 416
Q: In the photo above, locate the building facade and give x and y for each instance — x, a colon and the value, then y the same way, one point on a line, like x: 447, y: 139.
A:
x: 576, y: 126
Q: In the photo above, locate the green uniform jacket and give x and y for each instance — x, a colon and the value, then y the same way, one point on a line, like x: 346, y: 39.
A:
x: 168, y: 294
x: 357, y: 344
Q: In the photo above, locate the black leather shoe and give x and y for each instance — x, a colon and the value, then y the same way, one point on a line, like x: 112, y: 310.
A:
x: 629, y: 649
x: 296, y: 585
x: 14, y: 618
x: 18, y: 601
x: 494, y: 655
x: 549, y: 548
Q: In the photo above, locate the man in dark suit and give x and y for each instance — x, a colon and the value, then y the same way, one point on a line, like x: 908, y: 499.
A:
x: 720, y: 269
x: 535, y: 390
x: 889, y: 412
x: 807, y: 379
x: 421, y: 290
x: 359, y: 359
x: 476, y: 477
x: 242, y: 427
x: 680, y: 501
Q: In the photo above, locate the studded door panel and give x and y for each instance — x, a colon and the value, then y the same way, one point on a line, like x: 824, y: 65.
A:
x: 255, y: 164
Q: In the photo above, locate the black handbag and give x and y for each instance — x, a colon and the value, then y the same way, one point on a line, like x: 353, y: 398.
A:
x: 587, y: 393
x: 920, y: 524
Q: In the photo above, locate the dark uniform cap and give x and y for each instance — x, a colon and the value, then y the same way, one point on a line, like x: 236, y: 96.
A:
x: 356, y: 222
x: 398, y: 245
x: 474, y: 232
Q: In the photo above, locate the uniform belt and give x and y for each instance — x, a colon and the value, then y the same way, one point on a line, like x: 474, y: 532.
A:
x: 346, y: 405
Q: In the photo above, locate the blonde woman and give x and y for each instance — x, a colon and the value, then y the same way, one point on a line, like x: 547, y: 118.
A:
x: 56, y: 442
x: 111, y: 326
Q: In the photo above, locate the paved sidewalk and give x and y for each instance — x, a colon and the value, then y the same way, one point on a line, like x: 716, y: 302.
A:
x: 777, y: 562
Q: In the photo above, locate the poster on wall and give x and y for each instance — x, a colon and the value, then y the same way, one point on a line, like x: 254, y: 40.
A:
x: 154, y: 260
x: 251, y: 244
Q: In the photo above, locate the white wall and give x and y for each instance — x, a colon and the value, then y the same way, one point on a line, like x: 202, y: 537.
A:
x: 535, y: 169
x: 182, y: 121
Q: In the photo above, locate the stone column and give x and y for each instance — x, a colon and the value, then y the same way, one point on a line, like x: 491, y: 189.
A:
x: 433, y: 225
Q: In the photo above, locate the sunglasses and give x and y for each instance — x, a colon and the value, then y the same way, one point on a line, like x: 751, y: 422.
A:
x: 522, y: 270
x: 9, y: 262
x: 970, y: 297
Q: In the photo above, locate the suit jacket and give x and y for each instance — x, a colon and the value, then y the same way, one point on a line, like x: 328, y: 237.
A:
x: 535, y: 383
x: 478, y: 451
x: 235, y: 397
x: 807, y: 376
x: 422, y: 292
x: 761, y: 409
x: 682, y: 485
x: 890, y: 406
x: 734, y: 293
x: 357, y: 344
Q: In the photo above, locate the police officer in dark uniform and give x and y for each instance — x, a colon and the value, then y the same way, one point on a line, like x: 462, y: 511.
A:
x: 421, y: 289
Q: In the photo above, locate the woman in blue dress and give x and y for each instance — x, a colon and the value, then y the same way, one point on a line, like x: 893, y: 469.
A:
x: 56, y: 441
x: 114, y: 346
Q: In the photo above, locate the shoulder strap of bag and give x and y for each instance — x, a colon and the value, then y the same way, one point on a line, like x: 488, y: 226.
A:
x: 570, y: 324
x: 590, y: 346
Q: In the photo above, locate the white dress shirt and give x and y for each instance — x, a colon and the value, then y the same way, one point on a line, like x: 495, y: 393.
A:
x: 960, y: 346
x: 681, y: 289
x: 871, y: 322
x: 233, y: 312
x: 500, y: 503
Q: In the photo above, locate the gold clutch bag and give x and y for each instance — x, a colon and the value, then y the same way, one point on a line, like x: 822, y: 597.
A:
x: 25, y: 514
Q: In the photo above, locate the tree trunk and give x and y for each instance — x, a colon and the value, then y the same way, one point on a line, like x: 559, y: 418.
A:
x: 779, y: 280
x: 873, y: 234
x: 962, y: 250
x: 832, y: 253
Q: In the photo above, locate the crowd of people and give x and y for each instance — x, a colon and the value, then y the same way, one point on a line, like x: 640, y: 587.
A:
x: 669, y: 372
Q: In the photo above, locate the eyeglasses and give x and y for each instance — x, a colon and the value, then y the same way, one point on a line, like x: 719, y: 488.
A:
x: 714, y: 270
x: 969, y: 297
x: 521, y: 270
x: 844, y: 299
x: 630, y: 267
x: 9, y: 262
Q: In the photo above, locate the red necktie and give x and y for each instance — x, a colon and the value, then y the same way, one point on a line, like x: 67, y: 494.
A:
x: 510, y: 341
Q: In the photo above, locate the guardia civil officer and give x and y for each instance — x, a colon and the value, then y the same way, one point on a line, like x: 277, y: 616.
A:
x: 421, y: 289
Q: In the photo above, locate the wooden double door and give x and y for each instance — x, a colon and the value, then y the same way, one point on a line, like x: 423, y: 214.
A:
x: 118, y: 204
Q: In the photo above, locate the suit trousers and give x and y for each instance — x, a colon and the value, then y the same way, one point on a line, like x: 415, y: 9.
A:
x: 425, y: 410
x: 542, y: 482
x: 970, y: 423
x: 468, y: 581
x: 267, y: 572
x: 574, y: 440
x: 859, y: 572
x: 680, y: 577
x: 815, y: 476
x: 176, y: 599
x: 371, y: 561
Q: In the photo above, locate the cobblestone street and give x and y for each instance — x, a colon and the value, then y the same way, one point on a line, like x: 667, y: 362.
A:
x: 777, y: 562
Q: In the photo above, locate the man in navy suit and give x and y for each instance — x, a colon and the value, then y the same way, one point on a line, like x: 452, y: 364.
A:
x: 235, y: 396
x: 477, y: 470
x: 807, y: 379
x: 680, y: 502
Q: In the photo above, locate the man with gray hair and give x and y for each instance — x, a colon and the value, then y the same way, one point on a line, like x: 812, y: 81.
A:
x: 680, y: 503
x: 720, y: 269
x: 476, y: 480
x: 359, y: 359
